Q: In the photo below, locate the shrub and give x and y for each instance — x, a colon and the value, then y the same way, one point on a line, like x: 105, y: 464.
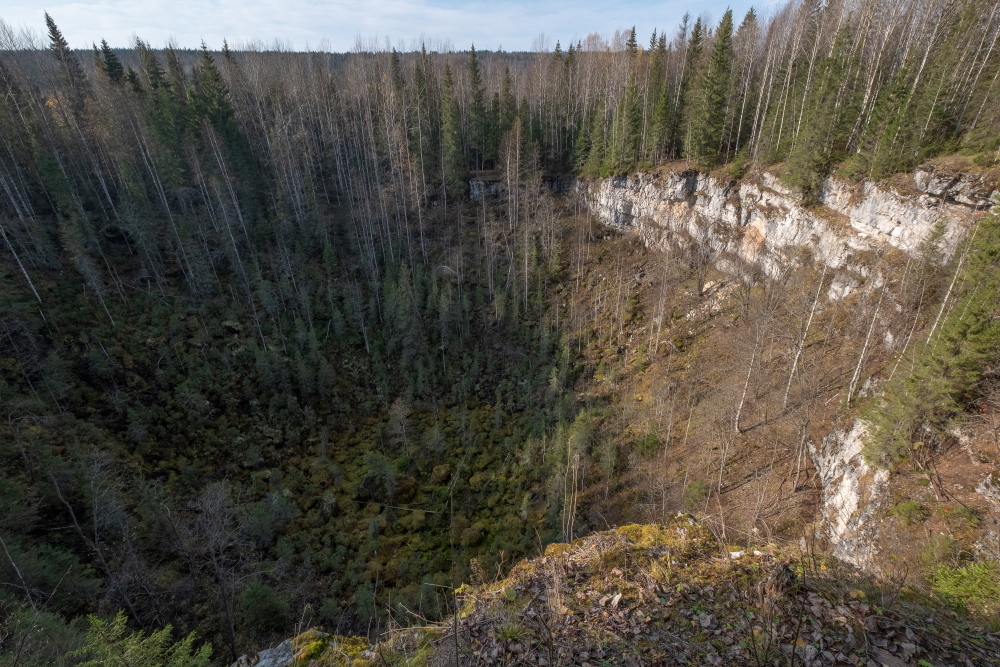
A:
x: 108, y: 645
x: 695, y: 494
x: 977, y: 585
x: 264, y: 609
x: 649, y: 443
x: 910, y: 512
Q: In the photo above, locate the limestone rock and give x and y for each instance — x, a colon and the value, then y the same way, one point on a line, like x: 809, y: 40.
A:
x: 853, y: 495
x: 280, y: 656
x: 760, y: 223
x: 990, y: 487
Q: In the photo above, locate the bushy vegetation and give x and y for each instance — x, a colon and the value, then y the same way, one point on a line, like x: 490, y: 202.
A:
x: 937, y: 379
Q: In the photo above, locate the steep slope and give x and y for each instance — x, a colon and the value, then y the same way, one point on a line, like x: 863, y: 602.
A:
x: 670, y: 594
x: 866, y: 240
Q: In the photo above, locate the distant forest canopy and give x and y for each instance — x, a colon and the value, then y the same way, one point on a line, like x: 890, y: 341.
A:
x: 259, y: 349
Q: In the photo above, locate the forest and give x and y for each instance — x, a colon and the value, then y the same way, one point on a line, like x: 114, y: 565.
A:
x: 294, y: 339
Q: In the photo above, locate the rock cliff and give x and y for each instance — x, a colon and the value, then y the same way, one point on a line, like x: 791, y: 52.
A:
x: 759, y: 223
x: 757, y: 226
x: 853, y: 495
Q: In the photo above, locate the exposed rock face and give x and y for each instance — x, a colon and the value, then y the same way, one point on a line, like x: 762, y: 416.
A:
x: 760, y: 223
x: 990, y: 486
x: 853, y: 495
x: 280, y: 656
x: 967, y: 189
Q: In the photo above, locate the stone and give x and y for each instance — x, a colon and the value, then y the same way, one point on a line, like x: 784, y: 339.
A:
x: 280, y: 656
x: 853, y: 494
x: 990, y: 487
x: 760, y: 223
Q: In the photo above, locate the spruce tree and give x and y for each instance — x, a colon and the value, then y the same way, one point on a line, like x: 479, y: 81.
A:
x: 112, y: 65
x: 692, y: 58
x: 658, y: 95
x: 824, y: 132
x: 70, y: 67
x: 508, y: 103
x: 632, y: 46
x: 99, y: 61
x: 595, y: 149
x: 453, y: 162
x: 709, y: 115
x: 477, y: 110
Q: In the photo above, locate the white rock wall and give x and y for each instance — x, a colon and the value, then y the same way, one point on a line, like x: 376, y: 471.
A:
x: 853, y: 495
x: 760, y: 223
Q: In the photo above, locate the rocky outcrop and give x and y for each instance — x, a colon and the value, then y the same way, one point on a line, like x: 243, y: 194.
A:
x: 947, y: 185
x: 990, y: 486
x: 853, y: 495
x: 280, y: 656
x: 759, y: 223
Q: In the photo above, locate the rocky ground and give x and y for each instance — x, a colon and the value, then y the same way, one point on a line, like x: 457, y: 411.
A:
x: 672, y: 595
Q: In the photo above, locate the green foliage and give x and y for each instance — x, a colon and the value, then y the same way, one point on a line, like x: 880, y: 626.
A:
x: 910, y: 512
x: 108, y: 645
x: 36, y: 638
x: 938, y: 378
x: 975, y: 585
x: 453, y: 160
x: 828, y: 112
x: 939, y: 550
x: 695, y: 495
x: 264, y: 609
x: 708, y: 117
x: 649, y: 443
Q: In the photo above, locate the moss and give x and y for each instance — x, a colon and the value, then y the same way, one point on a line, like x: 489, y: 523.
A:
x: 910, y: 512
x: 558, y: 549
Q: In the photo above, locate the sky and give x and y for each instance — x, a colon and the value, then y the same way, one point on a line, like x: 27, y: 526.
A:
x: 337, y: 25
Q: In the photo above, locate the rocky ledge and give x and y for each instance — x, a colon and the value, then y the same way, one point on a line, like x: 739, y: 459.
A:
x: 759, y: 223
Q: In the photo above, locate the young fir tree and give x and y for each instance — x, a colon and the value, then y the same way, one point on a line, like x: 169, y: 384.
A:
x: 709, y: 114
x: 626, y: 134
x: 112, y: 66
x: 423, y: 137
x: 595, y: 149
x: 937, y: 380
x: 659, y: 96
x: 99, y: 61
x: 632, y: 46
x: 508, y: 103
x: 452, y: 160
x: 825, y: 125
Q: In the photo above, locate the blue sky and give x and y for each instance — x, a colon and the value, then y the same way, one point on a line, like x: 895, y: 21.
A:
x: 336, y: 25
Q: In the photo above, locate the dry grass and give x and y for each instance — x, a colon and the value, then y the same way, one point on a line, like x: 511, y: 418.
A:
x: 670, y: 594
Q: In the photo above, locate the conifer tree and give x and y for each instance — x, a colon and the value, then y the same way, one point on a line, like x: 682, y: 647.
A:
x: 453, y: 162
x: 477, y: 110
x: 692, y: 58
x: 70, y: 67
x: 112, y: 66
x: 508, y: 103
x: 595, y: 149
x: 99, y: 61
x: 709, y: 115
x: 659, y: 96
x: 824, y: 131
